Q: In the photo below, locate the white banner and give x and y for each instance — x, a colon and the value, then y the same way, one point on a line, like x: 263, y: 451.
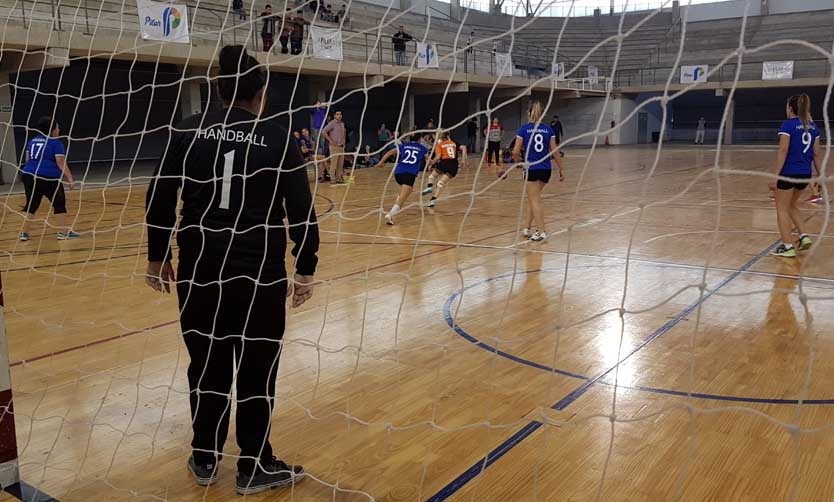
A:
x: 777, y: 70
x: 503, y: 65
x: 593, y: 75
x: 697, y: 73
x: 327, y: 42
x: 559, y: 71
x: 163, y: 21
x: 427, y: 55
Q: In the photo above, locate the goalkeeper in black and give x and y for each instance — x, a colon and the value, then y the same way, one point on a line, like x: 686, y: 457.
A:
x: 239, y: 176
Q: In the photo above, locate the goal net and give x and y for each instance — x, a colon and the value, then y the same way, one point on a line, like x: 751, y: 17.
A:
x: 648, y: 349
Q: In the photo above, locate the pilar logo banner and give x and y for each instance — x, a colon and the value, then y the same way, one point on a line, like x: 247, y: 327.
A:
x: 163, y: 21
x: 777, y: 70
x: 691, y: 74
x: 427, y: 55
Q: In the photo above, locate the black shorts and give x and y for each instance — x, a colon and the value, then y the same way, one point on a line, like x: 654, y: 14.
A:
x: 38, y: 188
x: 405, y: 179
x: 791, y: 185
x: 493, y: 149
x: 448, y: 167
x: 542, y: 175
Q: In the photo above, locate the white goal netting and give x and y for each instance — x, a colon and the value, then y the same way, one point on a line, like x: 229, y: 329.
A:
x: 649, y: 349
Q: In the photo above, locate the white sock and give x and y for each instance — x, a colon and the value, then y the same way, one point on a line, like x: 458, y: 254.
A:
x: 394, y: 210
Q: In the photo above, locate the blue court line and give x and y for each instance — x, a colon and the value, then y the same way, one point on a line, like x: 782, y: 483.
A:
x: 510, y: 443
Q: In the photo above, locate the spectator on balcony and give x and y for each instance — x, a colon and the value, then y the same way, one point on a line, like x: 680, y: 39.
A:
x: 287, y: 25
x: 237, y: 7
x: 297, y: 33
x: 701, y: 131
x: 343, y: 13
x: 268, y: 28
x: 398, y: 41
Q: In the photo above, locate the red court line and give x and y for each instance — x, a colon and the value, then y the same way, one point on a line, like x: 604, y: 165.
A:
x: 168, y: 323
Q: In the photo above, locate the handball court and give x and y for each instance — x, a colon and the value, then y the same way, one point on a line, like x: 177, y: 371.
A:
x: 444, y: 357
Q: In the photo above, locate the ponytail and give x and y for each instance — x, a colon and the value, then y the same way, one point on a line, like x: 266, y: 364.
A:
x: 800, y: 105
x: 535, y: 111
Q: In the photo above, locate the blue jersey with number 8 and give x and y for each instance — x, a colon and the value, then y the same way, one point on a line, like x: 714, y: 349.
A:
x: 801, y: 150
x: 536, y: 145
x: 410, y: 158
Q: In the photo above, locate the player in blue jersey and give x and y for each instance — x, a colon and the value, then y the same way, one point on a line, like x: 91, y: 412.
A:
x: 411, y: 155
x: 536, y: 146
x: 799, y: 153
x: 46, y: 165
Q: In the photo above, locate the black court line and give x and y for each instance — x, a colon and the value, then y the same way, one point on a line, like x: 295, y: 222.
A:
x: 28, y: 493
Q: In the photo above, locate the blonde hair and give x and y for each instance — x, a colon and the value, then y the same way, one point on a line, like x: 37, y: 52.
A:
x: 535, y: 111
x: 800, y: 105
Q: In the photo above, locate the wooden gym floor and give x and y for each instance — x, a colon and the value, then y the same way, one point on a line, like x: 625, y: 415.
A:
x: 380, y: 398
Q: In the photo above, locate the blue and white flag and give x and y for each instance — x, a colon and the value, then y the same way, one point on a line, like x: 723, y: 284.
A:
x: 696, y: 73
x: 163, y: 21
x: 503, y: 65
x: 427, y: 55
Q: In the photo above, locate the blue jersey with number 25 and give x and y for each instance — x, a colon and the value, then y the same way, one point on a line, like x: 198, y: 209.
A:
x: 411, y: 155
x: 801, y: 151
x: 536, y: 145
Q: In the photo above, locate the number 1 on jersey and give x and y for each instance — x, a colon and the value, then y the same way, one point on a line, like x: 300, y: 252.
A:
x: 226, y: 186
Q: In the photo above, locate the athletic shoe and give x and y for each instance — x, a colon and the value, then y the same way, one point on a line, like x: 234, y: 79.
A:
x: 805, y: 243
x: 814, y: 199
x: 205, y: 474
x: 24, y: 236
x: 271, y: 474
x: 389, y: 219
x: 784, y: 251
x: 431, y: 202
x: 526, y: 232
x: 501, y: 174
x: 427, y: 191
x: 69, y: 234
x: 538, y: 236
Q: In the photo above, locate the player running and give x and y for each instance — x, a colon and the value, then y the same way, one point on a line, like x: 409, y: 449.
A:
x: 410, y: 157
x: 444, y: 165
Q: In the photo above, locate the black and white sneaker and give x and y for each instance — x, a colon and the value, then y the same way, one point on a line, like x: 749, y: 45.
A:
x: 205, y: 474
x: 271, y: 474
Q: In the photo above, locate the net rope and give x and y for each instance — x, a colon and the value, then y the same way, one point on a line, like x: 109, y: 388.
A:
x: 130, y: 219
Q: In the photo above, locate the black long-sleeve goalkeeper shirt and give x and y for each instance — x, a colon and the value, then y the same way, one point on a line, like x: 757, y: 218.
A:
x: 239, y: 178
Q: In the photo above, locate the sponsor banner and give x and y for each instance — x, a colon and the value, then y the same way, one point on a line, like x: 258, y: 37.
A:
x: 593, y: 75
x: 503, y: 65
x: 163, y: 21
x: 327, y: 42
x: 559, y: 71
x: 697, y: 73
x: 777, y: 70
x: 427, y: 55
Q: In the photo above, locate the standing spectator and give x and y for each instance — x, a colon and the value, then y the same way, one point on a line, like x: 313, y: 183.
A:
x: 287, y: 29
x: 493, y: 135
x: 336, y: 135
x: 383, y: 136
x: 318, y: 115
x: 46, y: 166
x: 558, y: 131
x: 268, y: 29
x: 343, y: 13
x: 237, y: 6
x: 470, y: 51
x: 297, y: 34
x: 701, y: 131
x: 430, y: 134
x: 472, y: 134
x: 398, y: 40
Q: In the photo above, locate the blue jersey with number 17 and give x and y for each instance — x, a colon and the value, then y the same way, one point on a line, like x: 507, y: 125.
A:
x: 410, y: 158
x: 536, y: 145
x: 801, y: 150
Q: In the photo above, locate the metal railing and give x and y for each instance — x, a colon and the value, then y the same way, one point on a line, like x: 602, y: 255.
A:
x: 208, y: 24
x: 803, y: 68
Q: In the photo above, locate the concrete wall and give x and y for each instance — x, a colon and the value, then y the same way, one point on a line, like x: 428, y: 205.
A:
x: 580, y: 116
x: 736, y: 8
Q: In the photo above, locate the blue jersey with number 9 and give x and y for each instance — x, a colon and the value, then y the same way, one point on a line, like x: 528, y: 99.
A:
x: 410, y: 158
x: 801, y: 150
x: 536, y: 145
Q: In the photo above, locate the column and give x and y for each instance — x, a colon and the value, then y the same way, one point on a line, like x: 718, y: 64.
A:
x: 475, y: 107
x: 728, y: 124
x: 8, y: 153
x: 191, y: 102
x: 454, y: 9
x: 407, y: 122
